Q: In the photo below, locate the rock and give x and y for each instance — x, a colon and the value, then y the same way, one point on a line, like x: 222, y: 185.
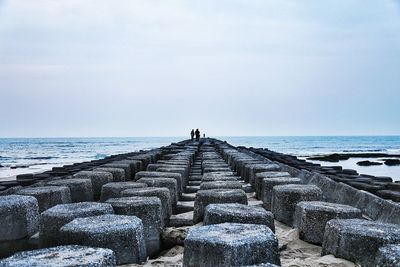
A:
x: 230, y: 244
x: 358, y: 240
x: 169, y: 183
x: 392, y: 162
x: 368, y: 163
x: 19, y: 217
x: 63, y: 256
x: 122, y: 234
x: 174, y: 236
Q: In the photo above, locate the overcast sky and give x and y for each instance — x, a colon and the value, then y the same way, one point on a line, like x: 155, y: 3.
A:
x: 161, y: 68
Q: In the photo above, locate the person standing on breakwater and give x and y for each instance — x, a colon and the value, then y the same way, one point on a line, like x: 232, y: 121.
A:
x: 197, y: 134
x: 192, y: 134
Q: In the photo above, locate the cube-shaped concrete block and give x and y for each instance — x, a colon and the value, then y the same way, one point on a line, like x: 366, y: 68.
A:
x: 148, y: 209
x: 80, y: 189
x: 230, y: 244
x: 62, y: 256
x: 56, y: 217
x: 238, y: 213
x: 122, y: 234
x: 113, y: 190
x: 311, y: 218
x: 358, y: 240
x: 19, y: 217
x: 48, y: 196
x: 269, y: 183
x: 286, y: 197
x: 215, y: 196
x: 98, y: 180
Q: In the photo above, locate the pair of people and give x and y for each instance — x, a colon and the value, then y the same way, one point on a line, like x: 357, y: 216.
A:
x: 193, y: 133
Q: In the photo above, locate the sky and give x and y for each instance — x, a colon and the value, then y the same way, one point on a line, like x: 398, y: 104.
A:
x: 73, y: 68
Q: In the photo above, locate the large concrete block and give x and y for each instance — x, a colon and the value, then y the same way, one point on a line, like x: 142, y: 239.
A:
x: 19, y: 217
x: 230, y: 244
x: 113, y: 190
x: 259, y: 177
x: 358, y: 240
x: 215, y: 196
x: 269, y: 183
x: 124, y: 166
x: 388, y: 256
x: 221, y: 185
x: 117, y: 173
x: 311, y: 217
x: 169, y: 183
x: 176, y: 176
x: 63, y: 256
x: 286, y: 197
x: 238, y: 213
x: 48, y: 196
x: 54, y: 218
x: 161, y: 192
x: 122, y: 234
x: 148, y: 209
x: 80, y: 189
x: 98, y: 180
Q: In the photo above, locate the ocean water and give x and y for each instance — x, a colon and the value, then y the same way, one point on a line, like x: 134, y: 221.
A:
x: 32, y: 155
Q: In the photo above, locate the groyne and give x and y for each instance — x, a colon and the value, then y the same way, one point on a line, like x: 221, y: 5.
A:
x: 222, y: 205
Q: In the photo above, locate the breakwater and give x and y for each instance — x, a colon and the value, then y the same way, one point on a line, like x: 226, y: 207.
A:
x: 131, y: 208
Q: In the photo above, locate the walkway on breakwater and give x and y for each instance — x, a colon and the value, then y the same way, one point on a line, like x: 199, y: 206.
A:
x: 203, y: 203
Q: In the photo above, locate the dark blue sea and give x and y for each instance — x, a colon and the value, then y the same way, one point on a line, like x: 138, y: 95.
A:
x: 39, y: 154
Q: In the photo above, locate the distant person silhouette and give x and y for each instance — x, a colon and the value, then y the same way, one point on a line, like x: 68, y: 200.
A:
x: 197, y: 134
x: 192, y: 134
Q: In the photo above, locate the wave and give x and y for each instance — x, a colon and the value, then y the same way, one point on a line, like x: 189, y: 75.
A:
x: 364, y: 150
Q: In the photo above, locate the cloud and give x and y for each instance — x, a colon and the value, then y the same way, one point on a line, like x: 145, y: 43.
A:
x: 266, y: 67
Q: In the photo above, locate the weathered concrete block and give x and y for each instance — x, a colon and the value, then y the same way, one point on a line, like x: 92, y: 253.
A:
x: 269, y: 183
x: 117, y: 173
x: 286, y: 197
x: 388, y: 256
x: 80, y: 189
x: 63, y: 256
x: 113, y: 190
x: 19, y: 217
x: 54, y: 218
x: 230, y: 244
x: 311, y: 217
x: 358, y: 240
x: 257, y: 168
x: 176, y: 176
x: 161, y: 192
x: 215, y: 196
x: 259, y: 177
x: 169, y: 183
x: 122, y: 234
x: 221, y: 185
x: 238, y: 213
x: 148, y: 209
x: 98, y: 180
x: 182, y: 171
x: 219, y: 176
x: 48, y: 196
x: 123, y: 166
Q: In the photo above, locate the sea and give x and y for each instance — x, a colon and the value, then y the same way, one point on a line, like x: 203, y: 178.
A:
x: 33, y: 155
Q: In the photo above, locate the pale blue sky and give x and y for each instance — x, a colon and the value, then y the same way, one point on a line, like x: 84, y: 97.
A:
x: 161, y: 68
